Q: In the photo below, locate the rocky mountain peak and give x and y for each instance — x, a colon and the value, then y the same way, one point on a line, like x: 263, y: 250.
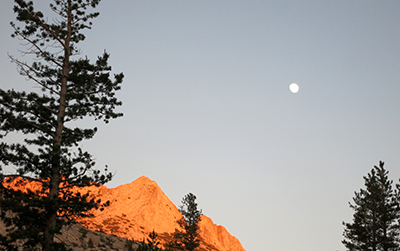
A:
x: 140, y: 207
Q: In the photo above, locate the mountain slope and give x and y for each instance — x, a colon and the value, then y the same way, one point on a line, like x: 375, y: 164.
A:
x: 140, y: 207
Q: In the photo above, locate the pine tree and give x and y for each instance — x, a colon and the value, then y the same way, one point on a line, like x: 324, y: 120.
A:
x: 152, y: 243
x: 187, y: 238
x: 376, y: 212
x: 191, y: 222
x: 71, y: 88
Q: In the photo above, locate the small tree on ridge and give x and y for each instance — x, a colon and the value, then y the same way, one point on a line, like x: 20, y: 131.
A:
x: 188, y: 238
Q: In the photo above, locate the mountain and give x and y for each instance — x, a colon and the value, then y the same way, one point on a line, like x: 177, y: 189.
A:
x: 134, y: 210
x: 140, y: 207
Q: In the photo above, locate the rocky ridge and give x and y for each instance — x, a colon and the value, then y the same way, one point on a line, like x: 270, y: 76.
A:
x: 140, y: 207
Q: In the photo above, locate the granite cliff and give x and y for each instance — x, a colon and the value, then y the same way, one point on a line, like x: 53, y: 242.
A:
x: 140, y: 207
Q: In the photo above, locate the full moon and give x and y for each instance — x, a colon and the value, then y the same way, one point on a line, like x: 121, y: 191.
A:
x: 294, y: 88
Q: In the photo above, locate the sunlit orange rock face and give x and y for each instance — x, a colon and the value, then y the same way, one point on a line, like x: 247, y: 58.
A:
x: 140, y: 207
x: 22, y: 185
x: 135, y: 210
x: 218, y: 236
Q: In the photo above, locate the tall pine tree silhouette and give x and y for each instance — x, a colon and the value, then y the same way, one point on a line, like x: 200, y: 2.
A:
x: 375, y: 223
x: 71, y: 88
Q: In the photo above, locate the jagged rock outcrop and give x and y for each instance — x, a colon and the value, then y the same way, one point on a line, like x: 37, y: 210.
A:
x: 140, y: 207
x: 218, y: 236
x: 78, y: 238
x: 135, y: 210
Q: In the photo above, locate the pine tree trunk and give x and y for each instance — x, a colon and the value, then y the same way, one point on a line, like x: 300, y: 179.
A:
x: 55, y: 169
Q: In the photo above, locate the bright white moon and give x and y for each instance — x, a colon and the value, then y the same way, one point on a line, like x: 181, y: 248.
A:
x: 294, y: 88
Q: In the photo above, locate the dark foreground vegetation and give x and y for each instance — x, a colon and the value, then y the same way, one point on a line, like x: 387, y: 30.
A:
x: 71, y: 88
x: 68, y: 88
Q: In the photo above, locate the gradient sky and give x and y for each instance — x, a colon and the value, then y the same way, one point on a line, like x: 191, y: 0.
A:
x: 208, y: 109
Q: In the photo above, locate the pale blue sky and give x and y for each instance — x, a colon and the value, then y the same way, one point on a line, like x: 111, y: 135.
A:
x: 208, y: 109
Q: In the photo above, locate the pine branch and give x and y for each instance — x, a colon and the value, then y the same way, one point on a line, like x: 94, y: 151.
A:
x: 26, y: 72
x: 41, y: 105
x: 46, y: 27
x: 101, y: 90
x: 14, y: 109
x: 34, y: 44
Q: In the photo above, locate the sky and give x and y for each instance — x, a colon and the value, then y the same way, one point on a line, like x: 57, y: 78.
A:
x: 207, y: 107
